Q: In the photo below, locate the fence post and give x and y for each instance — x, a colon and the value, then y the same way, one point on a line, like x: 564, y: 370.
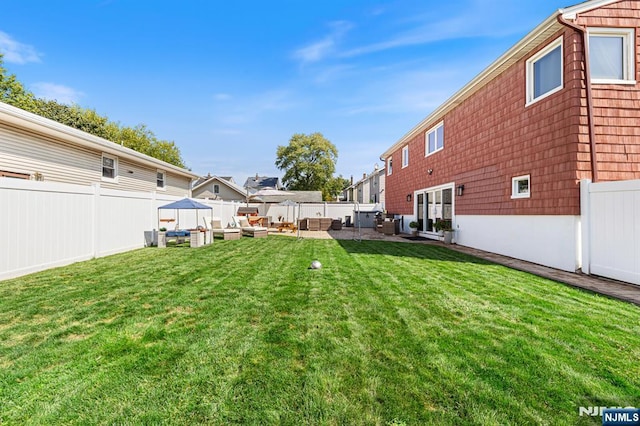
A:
x: 95, y: 226
x: 585, y: 224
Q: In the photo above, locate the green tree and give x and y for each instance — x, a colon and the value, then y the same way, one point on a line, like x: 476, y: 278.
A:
x: 309, y: 162
x: 12, y: 92
x: 334, y: 187
x: 138, y: 138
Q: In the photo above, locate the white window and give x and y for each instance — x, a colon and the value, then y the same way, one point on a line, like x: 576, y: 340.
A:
x: 544, y: 72
x: 405, y: 156
x: 521, y: 187
x: 160, y: 179
x: 611, y: 55
x: 109, y: 167
x: 216, y: 189
x: 389, y: 166
x: 434, y: 139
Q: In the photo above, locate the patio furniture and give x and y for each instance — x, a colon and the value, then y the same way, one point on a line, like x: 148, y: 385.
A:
x: 287, y: 226
x: 225, y: 233
x: 248, y: 230
x: 179, y: 235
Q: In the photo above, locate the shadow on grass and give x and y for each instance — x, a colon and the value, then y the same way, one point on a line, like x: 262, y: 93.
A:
x: 418, y: 251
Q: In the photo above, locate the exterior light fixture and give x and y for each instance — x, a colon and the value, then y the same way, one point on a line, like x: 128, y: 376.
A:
x: 408, y: 198
x: 460, y: 190
x: 430, y: 171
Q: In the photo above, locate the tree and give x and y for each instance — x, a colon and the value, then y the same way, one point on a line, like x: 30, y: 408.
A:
x: 12, y: 92
x: 334, y: 187
x: 138, y: 138
x: 309, y: 162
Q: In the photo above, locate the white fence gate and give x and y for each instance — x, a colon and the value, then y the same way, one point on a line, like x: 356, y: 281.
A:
x: 611, y: 229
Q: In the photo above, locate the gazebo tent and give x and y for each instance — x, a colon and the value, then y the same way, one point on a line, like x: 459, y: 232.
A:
x: 185, y: 204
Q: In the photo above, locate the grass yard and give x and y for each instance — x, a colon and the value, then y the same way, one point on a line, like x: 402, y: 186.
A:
x: 241, y: 332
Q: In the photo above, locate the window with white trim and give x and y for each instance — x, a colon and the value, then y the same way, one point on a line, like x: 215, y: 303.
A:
x: 434, y: 139
x: 389, y: 166
x: 161, y: 178
x: 405, y: 156
x: 109, y: 167
x: 611, y: 55
x: 216, y: 189
x: 521, y: 186
x: 544, y: 72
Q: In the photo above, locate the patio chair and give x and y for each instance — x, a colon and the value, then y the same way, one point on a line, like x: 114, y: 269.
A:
x: 225, y: 233
x: 242, y: 223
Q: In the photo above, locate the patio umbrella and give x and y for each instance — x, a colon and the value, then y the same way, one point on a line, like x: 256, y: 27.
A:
x: 266, y: 192
x: 288, y: 203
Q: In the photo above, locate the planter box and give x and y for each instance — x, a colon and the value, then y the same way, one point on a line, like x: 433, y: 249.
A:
x: 303, y: 224
x: 162, y: 239
x: 196, y: 239
x: 336, y: 225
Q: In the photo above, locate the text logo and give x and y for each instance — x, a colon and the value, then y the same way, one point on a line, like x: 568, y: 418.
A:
x: 621, y: 417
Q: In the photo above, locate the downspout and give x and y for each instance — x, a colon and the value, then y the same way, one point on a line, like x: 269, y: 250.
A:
x: 587, y: 77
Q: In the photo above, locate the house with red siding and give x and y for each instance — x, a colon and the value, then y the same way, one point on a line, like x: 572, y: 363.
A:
x: 503, y: 158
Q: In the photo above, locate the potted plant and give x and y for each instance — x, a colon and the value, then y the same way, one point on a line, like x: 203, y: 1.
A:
x: 445, y: 229
x: 414, y: 228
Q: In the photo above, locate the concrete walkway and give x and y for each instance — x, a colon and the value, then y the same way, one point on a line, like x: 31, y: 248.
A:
x: 616, y: 289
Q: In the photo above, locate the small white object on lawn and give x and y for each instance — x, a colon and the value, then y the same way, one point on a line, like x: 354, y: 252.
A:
x: 316, y: 265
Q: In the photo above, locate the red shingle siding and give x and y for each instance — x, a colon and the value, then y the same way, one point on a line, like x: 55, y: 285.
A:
x: 617, y: 107
x: 492, y: 137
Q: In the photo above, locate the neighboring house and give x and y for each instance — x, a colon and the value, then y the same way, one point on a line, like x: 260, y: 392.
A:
x: 219, y: 188
x: 36, y: 148
x: 503, y: 157
x: 257, y: 183
x: 369, y: 189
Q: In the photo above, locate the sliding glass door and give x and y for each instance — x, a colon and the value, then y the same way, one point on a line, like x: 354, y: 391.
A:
x: 434, y: 205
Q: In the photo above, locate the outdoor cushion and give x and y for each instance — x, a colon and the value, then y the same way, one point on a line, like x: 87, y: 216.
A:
x: 178, y: 233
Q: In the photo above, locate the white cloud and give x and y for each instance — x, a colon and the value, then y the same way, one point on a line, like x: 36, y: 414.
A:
x: 471, y: 21
x: 57, y: 92
x: 16, y: 52
x: 318, y: 50
x: 222, y: 96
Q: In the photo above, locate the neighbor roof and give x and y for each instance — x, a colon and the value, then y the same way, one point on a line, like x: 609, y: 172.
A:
x: 529, y: 42
x: 229, y: 183
x: 262, y: 182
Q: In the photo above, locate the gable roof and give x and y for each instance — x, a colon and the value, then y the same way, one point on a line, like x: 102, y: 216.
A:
x: 528, y: 43
x: 24, y: 120
x: 228, y: 183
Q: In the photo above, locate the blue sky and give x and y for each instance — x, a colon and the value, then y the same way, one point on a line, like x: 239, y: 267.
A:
x: 230, y: 81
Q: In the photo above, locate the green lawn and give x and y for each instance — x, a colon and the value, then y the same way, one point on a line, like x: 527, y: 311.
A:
x: 241, y: 332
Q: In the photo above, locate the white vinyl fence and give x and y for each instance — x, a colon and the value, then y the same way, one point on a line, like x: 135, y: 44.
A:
x: 611, y: 229
x: 47, y: 224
